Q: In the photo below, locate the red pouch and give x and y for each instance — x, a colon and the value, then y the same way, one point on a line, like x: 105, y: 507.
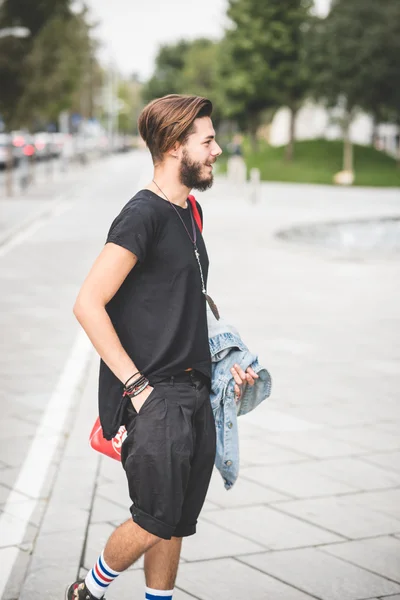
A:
x: 111, y: 448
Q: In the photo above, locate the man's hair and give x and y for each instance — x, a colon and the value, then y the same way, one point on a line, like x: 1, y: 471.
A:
x: 170, y: 119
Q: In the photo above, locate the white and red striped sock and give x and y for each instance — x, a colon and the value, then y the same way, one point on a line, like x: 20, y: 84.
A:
x: 100, y: 577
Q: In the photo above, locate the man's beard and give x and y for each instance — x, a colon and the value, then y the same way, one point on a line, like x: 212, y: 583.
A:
x: 190, y: 174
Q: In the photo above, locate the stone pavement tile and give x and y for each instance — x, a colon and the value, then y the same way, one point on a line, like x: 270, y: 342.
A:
x: 112, y: 469
x: 45, y: 578
x: 229, y: 578
x: 114, y: 491
x: 249, y: 431
x: 328, y: 415
x: 271, y: 528
x: 383, y: 501
x: 74, y: 487
x: 17, y: 575
x: 29, y: 538
x: 315, y: 444
x: 4, y: 493
x: 48, y: 582
x: 369, y: 437
x: 104, y: 511
x: 243, y: 493
x: 388, y: 460
x: 271, y: 418
x: 345, y: 515
x: 257, y: 451
x: 131, y: 584
x: 301, y: 480
x: 14, y: 519
x: 392, y: 426
x: 379, y: 555
x: 12, y: 427
x: 358, y: 473
x: 212, y: 542
x: 321, y: 575
x: 13, y: 455
x: 208, y: 506
x: 97, y: 536
x: 63, y: 517
x: 36, y: 517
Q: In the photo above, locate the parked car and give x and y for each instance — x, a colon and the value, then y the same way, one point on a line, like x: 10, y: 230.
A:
x: 43, y: 146
x: 59, y: 139
x: 23, y: 143
x: 5, y: 141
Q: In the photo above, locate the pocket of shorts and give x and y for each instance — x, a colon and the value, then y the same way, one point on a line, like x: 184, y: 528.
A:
x: 149, y: 398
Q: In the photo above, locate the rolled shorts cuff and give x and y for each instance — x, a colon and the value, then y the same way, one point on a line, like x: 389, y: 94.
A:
x: 184, y: 530
x: 151, y: 524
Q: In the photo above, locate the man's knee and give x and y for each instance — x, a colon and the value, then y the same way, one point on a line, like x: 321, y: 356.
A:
x: 147, y: 539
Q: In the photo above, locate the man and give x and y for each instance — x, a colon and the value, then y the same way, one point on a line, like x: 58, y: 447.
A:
x: 143, y: 306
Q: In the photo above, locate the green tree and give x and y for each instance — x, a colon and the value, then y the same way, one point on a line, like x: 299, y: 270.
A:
x: 354, y: 59
x: 188, y: 67
x: 261, y: 61
x: 295, y: 75
x: 41, y: 74
x: 382, y: 76
x: 167, y: 76
x: 129, y: 94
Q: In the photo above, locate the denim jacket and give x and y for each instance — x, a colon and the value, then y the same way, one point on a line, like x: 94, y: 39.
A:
x: 227, y: 349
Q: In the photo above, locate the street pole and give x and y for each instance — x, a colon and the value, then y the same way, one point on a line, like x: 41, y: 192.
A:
x: 18, y: 32
x: 110, y: 94
x: 9, y: 168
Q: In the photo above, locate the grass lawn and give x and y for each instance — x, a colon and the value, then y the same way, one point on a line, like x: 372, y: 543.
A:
x: 316, y: 161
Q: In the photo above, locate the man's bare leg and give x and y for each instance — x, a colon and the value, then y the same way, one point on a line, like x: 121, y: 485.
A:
x: 127, y: 544
x: 161, y: 564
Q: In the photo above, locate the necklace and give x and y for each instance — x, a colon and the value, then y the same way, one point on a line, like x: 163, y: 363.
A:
x: 210, y: 301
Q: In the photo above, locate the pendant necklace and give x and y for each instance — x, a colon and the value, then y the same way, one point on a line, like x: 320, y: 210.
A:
x: 210, y: 301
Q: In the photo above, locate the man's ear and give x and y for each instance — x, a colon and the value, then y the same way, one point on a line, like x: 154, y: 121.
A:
x: 174, y: 151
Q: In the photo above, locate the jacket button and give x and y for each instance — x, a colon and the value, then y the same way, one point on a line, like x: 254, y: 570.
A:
x: 230, y: 425
x: 228, y: 463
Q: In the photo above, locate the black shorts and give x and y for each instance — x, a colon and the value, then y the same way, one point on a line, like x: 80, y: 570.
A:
x: 168, y: 455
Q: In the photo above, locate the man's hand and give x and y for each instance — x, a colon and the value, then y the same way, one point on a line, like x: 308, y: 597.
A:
x: 241, y: 377
x: 141, y: 398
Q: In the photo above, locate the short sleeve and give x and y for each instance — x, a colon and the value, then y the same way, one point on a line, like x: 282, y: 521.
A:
x: 134, y: 229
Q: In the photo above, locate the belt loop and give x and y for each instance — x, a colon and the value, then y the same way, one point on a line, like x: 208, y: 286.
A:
x: 172, y: 380
x: 192, y: 377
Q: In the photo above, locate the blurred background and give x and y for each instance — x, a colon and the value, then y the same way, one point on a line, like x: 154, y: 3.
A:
x: 303, y: 91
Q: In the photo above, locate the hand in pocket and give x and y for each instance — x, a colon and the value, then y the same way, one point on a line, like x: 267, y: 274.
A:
x: 139, y: 400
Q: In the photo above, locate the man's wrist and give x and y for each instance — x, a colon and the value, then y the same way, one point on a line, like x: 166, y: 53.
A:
x: 132, y: 378
x: 136, y: 386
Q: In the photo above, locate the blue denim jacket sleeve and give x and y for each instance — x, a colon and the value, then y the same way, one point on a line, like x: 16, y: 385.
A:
x: 227, y: 349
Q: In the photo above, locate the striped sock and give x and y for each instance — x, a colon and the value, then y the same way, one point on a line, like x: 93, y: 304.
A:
x: 100, y: 577
x: 157, y: 594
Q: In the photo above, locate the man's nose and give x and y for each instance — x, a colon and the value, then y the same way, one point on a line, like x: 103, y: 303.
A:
x: 217, y: 151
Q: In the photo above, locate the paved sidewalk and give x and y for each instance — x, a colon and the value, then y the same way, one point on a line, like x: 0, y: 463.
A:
x: 316, y: 510
x: 51, y: 186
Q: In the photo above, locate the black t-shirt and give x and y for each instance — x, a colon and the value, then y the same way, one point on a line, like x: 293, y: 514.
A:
x: 159, y: 312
